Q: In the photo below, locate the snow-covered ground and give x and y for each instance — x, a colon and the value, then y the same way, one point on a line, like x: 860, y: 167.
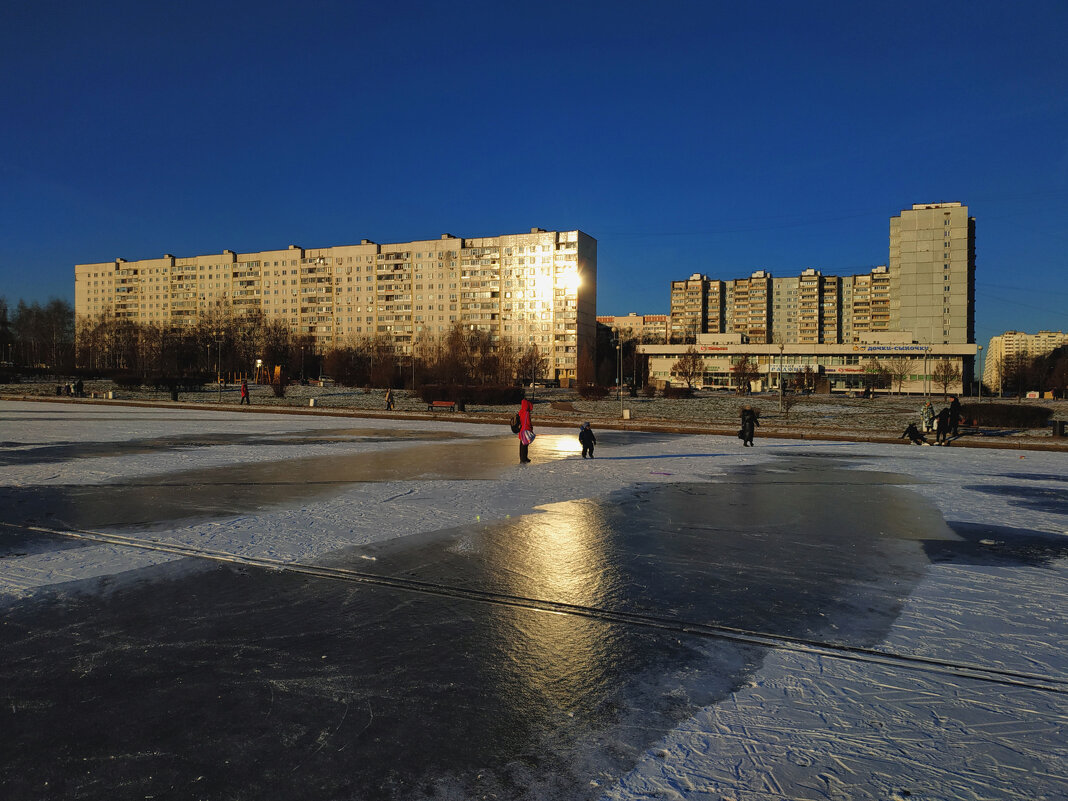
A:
x: 885, y: 415
x: 983, y: 716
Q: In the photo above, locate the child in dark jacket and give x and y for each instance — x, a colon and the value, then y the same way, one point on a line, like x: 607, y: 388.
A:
x: 914, y: 435
x: 587, y: 439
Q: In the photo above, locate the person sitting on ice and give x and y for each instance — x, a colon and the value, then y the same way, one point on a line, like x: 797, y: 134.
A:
x: 914, y: 435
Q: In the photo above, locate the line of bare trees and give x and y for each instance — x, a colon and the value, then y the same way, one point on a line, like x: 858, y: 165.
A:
x: 1019, y: 374
x: 32, y: 335
x: 231, y: 345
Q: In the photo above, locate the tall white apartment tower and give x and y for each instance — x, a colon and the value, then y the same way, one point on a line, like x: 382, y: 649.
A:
x: 932, y: 273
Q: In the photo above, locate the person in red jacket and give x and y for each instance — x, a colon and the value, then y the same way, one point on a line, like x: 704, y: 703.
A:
x: 526, y: 430
x: 244, y: 393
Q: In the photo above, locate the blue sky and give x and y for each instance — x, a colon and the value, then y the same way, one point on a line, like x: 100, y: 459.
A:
x: 686, y: 137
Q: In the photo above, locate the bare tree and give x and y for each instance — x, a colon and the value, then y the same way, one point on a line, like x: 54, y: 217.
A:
x: 944, y: 374
x: 689, y: 367
x: 1057, y: 378
x: 532, y: 364
x: 586, y: 371
x: 875, y: 375
x: 745, y: 372
x: 898, y: 369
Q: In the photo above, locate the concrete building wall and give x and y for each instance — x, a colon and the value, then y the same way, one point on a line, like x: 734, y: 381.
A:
x: 842, y: 366
x: 537, y: 288
x: 932, y: 268
x: 1003, y: 348
x: 927, y: 289
x: 643, y: 327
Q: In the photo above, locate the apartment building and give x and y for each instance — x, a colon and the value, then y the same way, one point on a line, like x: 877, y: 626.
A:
x: 643, y: 327
x: 690, y: 308
x: 1004, y: 349
x: 932, y: 273
x: 926, y: 290
x: 537, y: 288
x: 916, y: 310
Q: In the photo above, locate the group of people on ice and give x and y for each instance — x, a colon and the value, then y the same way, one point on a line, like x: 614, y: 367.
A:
x: 523, y: 426
x: 945, y: 424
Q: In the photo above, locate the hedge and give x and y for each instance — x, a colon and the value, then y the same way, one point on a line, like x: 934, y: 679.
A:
x: 592, y: 392
x: 1005, y: 415
x: 482, y: 394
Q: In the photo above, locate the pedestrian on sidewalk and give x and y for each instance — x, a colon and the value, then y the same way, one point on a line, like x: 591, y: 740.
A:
x: 244, y: 393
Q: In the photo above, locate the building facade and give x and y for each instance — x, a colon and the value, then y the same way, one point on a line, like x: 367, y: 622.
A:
x: 926, y: 290
x: 642, y: 327
x: 932, y: 273
x: 537, y: 288
x: 836, y: 367
x: 1004, y: 349
x: 911, y: 313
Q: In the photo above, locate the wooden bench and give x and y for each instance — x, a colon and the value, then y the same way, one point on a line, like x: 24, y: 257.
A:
x: 434, y: 405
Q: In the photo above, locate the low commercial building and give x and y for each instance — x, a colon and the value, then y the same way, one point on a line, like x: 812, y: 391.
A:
x: 905, y: 366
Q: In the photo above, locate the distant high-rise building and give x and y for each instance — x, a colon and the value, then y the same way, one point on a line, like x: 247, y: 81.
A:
x: 1005, y: 349
x: 932, y: 273
x: 690, y: 308
x: 643, y: 327
x: 535, y: 288
x: 925, y: 293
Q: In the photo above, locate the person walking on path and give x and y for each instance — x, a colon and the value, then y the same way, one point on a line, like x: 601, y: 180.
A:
x: 526, y: 430
x: 244, y: 393
x: 587, y: 439
x: 954, y: 416
x: 942, y: 427
x: 927, y: 416
x: 389, y: 399
x: 749, y: 424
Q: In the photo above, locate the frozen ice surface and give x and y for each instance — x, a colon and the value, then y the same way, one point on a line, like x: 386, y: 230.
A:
x: 807, y: 724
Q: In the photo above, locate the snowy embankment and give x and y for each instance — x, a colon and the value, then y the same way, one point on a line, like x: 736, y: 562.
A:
x: 808, y: 415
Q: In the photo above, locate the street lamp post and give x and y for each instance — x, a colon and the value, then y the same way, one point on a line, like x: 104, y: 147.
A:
x: 782, y: 347
x: 980, y: 373
x: 926, y: 377
x: 218, y: 362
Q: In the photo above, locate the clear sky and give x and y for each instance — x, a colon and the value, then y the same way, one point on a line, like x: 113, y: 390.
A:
x: 708, y: 137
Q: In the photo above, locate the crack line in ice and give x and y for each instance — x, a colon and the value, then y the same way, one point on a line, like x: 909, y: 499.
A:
x: 839, y: 651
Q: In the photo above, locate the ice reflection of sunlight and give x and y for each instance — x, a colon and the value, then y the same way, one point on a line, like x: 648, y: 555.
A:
x: 555, y: 446
x: 558, y: 661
